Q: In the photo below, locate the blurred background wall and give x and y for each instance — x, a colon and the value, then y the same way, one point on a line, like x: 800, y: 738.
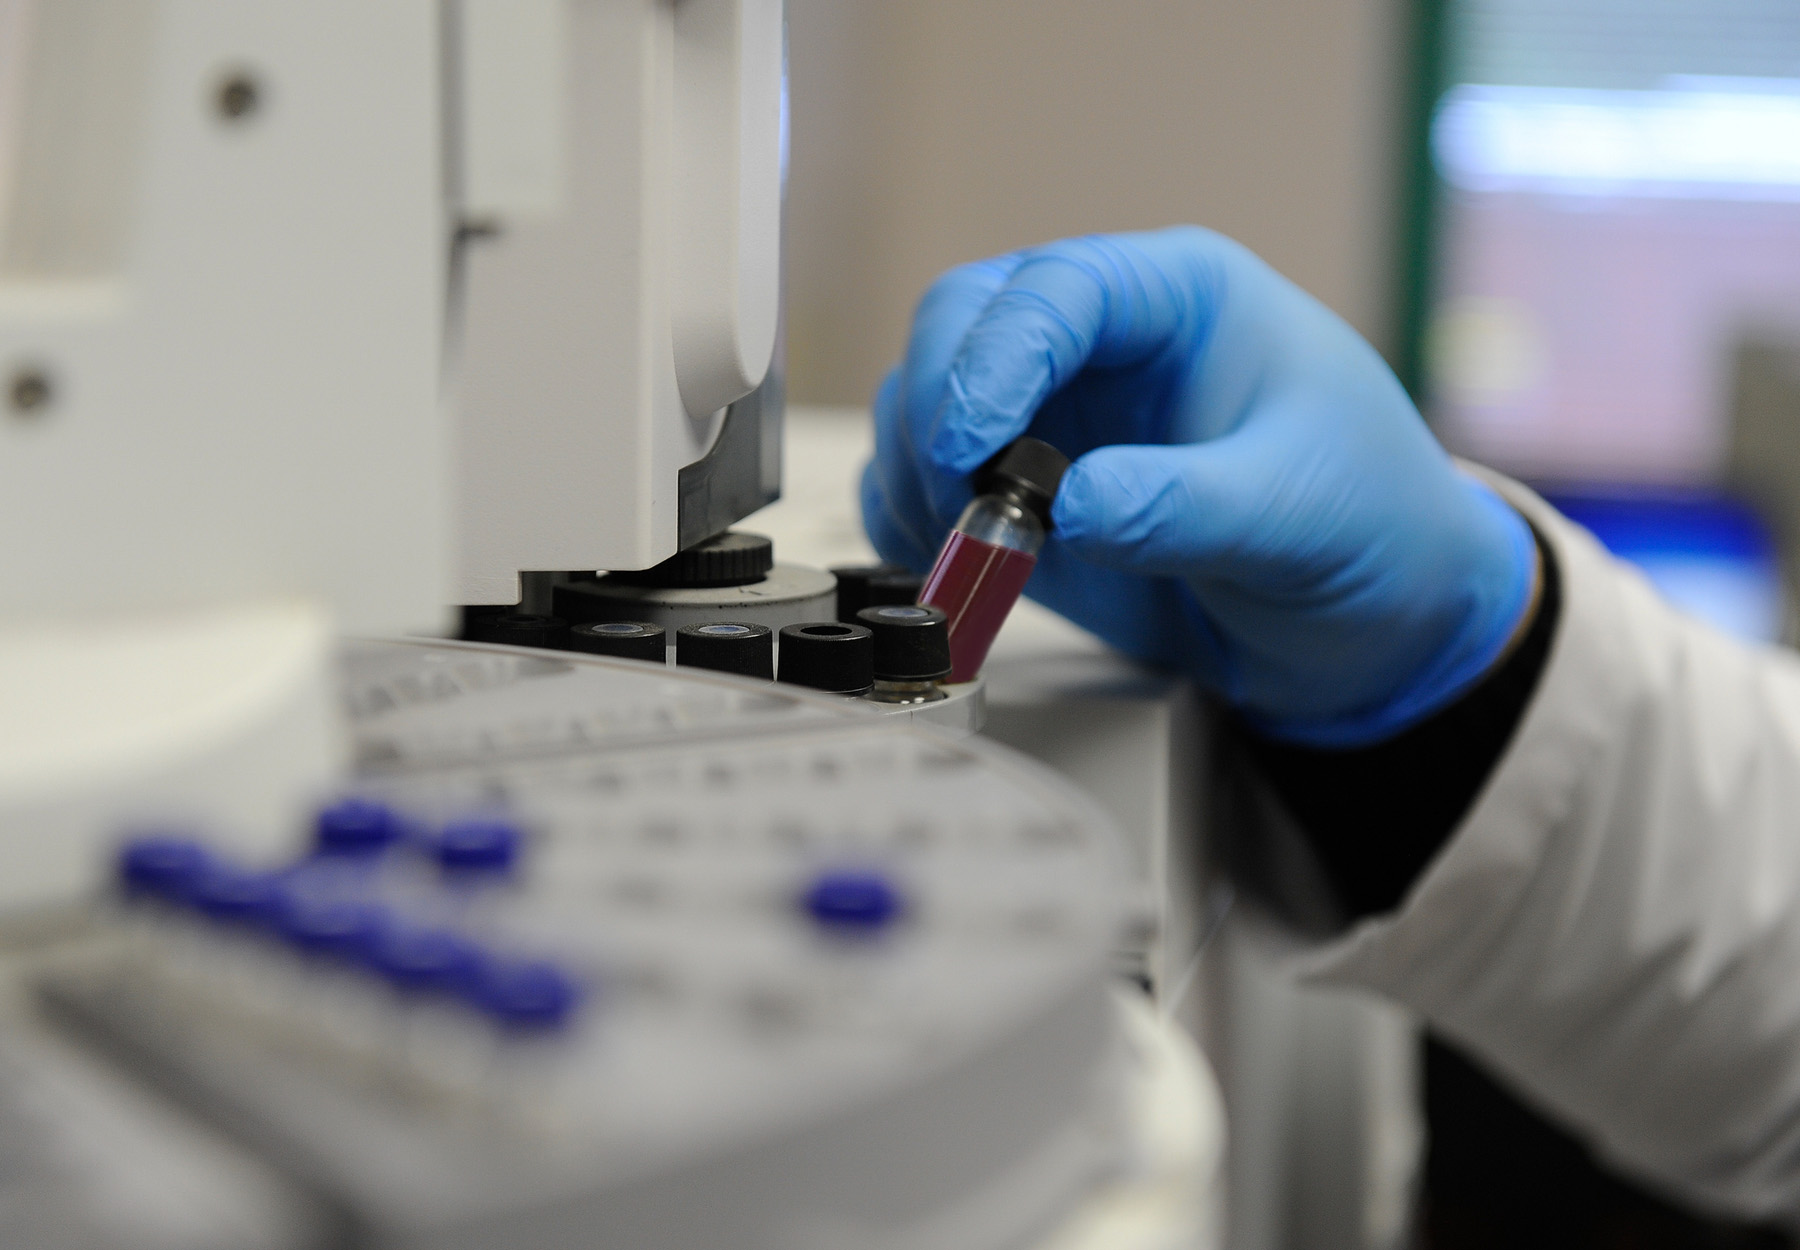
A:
x: 1573, y: 224
x: 926, y: 133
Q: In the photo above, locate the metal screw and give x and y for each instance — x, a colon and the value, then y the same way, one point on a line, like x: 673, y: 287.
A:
x: 238, y: 97
x: 29, y: 393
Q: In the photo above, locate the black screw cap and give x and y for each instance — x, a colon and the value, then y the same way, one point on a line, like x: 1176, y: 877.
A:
x: 728, y: 559
x: 519, y: 629
x: 473, y: 616
x: 853, y: 586
x: 577, y: 602
x: 1028, y: 470
x: 901, y: 588
x: 911, y: 643
x: 829, y: 656
x: 727, y: 647
x: 630, y: 640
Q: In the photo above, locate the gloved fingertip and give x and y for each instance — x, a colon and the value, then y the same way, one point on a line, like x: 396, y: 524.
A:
x: 967, y: 433
x: 1068, y: 519
x: 956, y: 448
x: 1078, y: 511
x: 887, y: 393
x: 1133, y: 507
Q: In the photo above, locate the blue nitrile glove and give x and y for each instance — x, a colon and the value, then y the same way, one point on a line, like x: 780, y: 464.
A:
x: 1255, y: 499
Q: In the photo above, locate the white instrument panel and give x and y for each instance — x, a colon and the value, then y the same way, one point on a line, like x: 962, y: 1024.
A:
x: 625, y: 288
x: 838, y: 980
x: 222, y: 270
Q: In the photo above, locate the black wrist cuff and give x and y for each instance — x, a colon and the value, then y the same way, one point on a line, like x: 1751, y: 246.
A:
x: 1375, y: 816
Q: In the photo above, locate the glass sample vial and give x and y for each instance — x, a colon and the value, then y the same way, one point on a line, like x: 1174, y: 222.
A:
x: 912, y: 652
x: 988, y: 557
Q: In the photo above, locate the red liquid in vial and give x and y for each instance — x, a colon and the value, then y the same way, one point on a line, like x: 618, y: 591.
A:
x: 975, y: 584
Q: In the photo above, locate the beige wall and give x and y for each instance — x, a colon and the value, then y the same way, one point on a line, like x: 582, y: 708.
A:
x: 929, y: 132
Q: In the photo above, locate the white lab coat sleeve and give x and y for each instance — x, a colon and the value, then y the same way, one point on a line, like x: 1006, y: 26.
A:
x: 1615, y: 927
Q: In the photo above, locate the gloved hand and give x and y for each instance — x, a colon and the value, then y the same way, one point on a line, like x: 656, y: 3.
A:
x: 1254, y: 498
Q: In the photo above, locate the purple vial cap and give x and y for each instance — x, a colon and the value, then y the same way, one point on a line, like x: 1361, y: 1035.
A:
x: 479, y: 844
x: 356, y: 827
x: 525, y: 995
x: 234, y: 895
x: 161, y: 866
x: 417, y: 960
x: 852, y: 902
x: 321, y: 925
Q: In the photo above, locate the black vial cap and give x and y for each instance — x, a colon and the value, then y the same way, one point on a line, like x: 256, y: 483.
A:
x: 903, y: 588
x: 728, y: 559
x: 475, y: 616
x: 1028, y: 470
x: 727, y: 647
x: 911, y: 643
x: 630, y: 640
x: 853, y: 586
x: 829, y: 656
x: 579, y: 602
x: 519, y: 629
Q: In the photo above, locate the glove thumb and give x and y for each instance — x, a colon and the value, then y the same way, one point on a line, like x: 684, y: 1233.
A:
x: 1159, y: 510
